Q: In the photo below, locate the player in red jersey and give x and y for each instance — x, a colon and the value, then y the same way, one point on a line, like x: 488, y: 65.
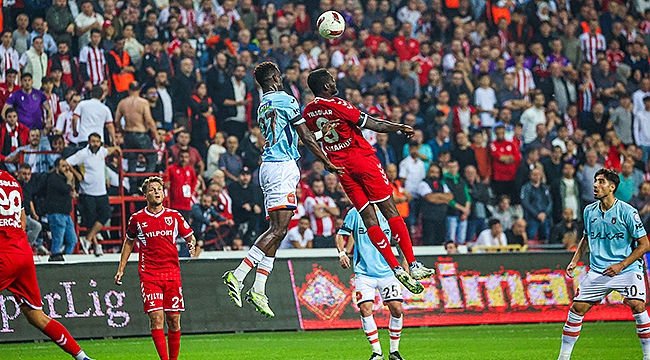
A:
x: 17, y: 269
x: 364, y: 179
x: 156, y: 228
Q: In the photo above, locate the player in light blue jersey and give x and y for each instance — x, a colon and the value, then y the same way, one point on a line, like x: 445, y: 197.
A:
x: 281, y: 123
x: 617, y: 240
x: 372, y: 273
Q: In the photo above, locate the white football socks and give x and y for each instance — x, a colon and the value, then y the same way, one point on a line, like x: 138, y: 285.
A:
x: 370, y: 328
x: 253, y: 257
x: 395, y: 332
x: 643, y: 331
x: 570, y: 334
x: 264, y: 268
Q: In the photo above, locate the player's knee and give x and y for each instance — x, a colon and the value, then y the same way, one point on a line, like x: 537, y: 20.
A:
x: 156, y: 320
x: 580, y: 309
x: 637, y: 306
x: 36, y: 318
x: 365, y: 311
x: 278, y: 233
x: 396, y: 309
x: 173, y: 322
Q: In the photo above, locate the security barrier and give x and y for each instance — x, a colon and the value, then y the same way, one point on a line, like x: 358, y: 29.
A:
x: 310, y: 293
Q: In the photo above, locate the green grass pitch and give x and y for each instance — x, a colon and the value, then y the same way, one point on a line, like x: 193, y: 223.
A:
x: 602, y: 341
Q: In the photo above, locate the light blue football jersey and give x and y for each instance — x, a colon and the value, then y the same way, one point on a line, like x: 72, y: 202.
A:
x: 276, y: 115
x: 612, y: 235
x: 367, y: 259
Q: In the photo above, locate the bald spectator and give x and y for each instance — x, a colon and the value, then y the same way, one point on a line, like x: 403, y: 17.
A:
x: 516, y: 235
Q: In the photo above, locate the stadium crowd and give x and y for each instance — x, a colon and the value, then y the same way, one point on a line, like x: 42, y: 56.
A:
x: 516, y: 105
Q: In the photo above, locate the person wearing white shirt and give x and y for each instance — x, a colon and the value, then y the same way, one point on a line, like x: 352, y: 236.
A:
x: 87, y: 20
x: 639, y: 95
x: 642, y: 128
x: 299, y: 237
x: 411, y: 169
x: 410, y: 13
x: 485, y: 98
x: 492, y: 236
x: 532, y: 117
x: 91, y: 116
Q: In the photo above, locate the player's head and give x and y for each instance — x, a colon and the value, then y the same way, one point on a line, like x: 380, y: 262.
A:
x: 322, y: 83
x: 605, y: 183
x: 268, y: 76
x: 153, y: 190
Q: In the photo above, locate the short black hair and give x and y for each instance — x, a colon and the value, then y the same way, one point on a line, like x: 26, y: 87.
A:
x: 96, y: 92
x: 97, y: 31
x: 317, y: 79
x: 610, y: 175
x: 11, y: 110
x: 264, y: 72
x: 25, y: 166
x: 95, y: 135
x: 493, y: 222
x: 25, y: 76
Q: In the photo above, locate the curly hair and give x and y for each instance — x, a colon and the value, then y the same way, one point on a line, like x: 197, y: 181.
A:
x: 149, y: 180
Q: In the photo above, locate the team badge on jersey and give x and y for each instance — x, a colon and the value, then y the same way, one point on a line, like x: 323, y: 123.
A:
x: 169, y: 220
x: 291, y: 198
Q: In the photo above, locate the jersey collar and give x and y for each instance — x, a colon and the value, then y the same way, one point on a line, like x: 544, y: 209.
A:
x: 152, y: 214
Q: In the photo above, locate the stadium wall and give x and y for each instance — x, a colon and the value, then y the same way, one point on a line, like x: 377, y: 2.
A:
x: 310, y: 293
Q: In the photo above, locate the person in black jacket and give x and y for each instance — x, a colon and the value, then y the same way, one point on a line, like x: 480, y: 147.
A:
x: 231, y: 101
x: 58, y: 204
x: 247, y: 206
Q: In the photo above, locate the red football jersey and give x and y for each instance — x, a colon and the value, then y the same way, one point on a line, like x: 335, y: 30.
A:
x: 157, y: 235
x: 13, y: 238
x: 346, y: 140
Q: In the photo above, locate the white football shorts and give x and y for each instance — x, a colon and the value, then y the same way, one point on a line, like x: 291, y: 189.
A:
x: 594, y: 287
x: 278, y: 181
x: 365, y: 288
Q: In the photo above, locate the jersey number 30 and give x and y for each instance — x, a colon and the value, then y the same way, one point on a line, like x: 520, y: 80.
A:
x: 332, y: 136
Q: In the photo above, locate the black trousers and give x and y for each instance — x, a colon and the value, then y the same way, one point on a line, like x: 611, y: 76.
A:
x: 434, y: 231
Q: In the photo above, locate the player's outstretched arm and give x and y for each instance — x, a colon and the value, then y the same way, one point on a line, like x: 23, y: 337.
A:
x: 309, y: 140
x: 582, y: 248
x: 384, y: 126
x: 643, y: 245
x: 127, y: 248
x: 344, y: 260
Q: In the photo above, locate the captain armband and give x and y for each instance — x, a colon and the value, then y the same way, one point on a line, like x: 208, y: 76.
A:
x: 363, y: 118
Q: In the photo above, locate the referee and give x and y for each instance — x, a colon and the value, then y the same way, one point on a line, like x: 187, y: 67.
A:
x: 93, y: 197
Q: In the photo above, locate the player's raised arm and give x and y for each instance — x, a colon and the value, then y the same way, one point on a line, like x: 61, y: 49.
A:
x: 582, y: 248
x: 643, y: 245
x: 309, y: 140
x: 127, y: 248
x: 383, y: 126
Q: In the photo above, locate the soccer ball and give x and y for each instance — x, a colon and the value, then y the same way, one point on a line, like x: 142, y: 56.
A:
x: 331, y: 24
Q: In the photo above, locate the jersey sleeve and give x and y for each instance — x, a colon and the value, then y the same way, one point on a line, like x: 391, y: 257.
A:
x: 585, y: 217
x: 132, y: 229
x: 348, y: 224
x: 292, y: 109
x: 184, y: 229
x: 634, y: 224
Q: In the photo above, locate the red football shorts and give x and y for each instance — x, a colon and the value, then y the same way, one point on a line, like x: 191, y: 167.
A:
x: 164, y: 295
x: 365, y: 182
x: 18, y: 275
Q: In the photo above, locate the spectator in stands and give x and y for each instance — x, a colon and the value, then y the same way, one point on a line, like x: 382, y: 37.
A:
x: 322, y: 211
x: 299, y: 237
x: 441, y: 141
x: 60, y: 22
x: 32, y: 226
x: 516, y: 235
x: 492, y: 236
x: 385, y: 151
x: 87, y: 21
x: 506, y: 214
x: 181, y: 183
x: 401, y: 196
x: 460, y: 206
x: 451, y: 248
x: 183, y: 84
x: 631, y: 179
x: 553, y: 165
x: 183, y: 139
x: 121, y: 70
x: 461, y: 115
x: 481, y: 196
x: 161, y: 83
x: 58, y: 204
x: 566, y: 232
x: 30, y: 103
x: 424, y: 150
x: 92, y: 62
x: 214, y: 154
x: 9, y: 86
x: 204, y: 219
x: 11, y: 58
x: 642, y: 127
x: 622, y: 119
x: 463, y: 152
x: 232, y: 101
x: 12, y: 136
x: 412, y: 169
x: 91, y: 117
x: 39, y: 162
x: 532, y: 117
x: 506, y: 159
x: 523, y: 172
x: 485, y: 100
x: 247, y: 206
x: 93, y: 198
x: 435, y: 197
x: 404, y: 87
x: 511, y: 98
x: 586, y: 175
x: 230, y: 162
x: 538, y: 206
x: 566, y: 193
x: 482, y: 155
x: 21, y: 37
x: 34, y: 61
x: 334, y: 190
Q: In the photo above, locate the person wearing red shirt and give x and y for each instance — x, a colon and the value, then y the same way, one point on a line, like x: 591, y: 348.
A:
x: 181, y: 183
x: 406, y: 47
x: 375, y: 38
x: 9, y: 86
x: 156, y: 228
x: 424, y: 63
x: 462, y: 114
x: 506, y: 158
x: 364, y: 179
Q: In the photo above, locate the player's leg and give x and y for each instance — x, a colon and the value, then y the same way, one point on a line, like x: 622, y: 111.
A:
x: 365, y: 294
x: 54, y: 330
x: 157, y: 326
x: 632, y: 286
x: 173, y: 320
x: 395, y: 328
x: 403, y: 238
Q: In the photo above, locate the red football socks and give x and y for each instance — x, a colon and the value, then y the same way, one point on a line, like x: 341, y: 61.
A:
x: 174, y: 343
x: 158, y: 336
x: 382, y: 244
x: 60, y: 335
x: 402, y: 236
